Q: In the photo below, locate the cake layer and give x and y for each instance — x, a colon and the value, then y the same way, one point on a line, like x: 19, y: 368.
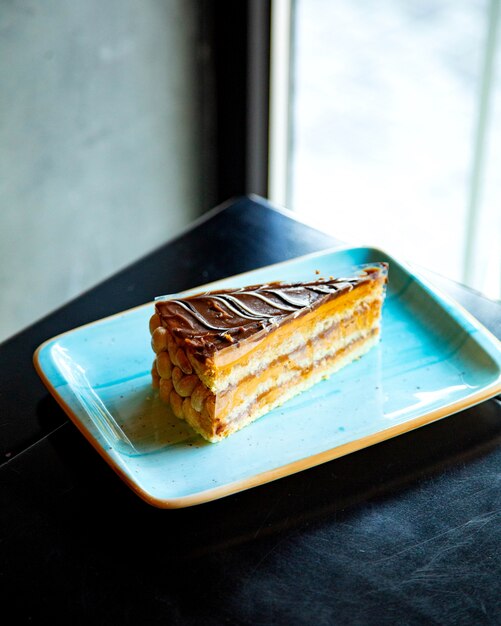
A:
x: 297, y: 357
x: 324, y: 329
x: 286, y: 388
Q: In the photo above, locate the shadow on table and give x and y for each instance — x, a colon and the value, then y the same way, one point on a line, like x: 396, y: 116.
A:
x: 118, y: 519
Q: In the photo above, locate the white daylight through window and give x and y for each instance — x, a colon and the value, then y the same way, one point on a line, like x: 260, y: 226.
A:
x: 393, y: 128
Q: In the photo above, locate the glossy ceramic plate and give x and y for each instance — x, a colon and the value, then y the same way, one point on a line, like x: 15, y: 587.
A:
x: 434, y: 359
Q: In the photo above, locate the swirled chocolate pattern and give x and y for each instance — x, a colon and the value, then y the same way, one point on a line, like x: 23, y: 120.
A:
x: 213, y: 320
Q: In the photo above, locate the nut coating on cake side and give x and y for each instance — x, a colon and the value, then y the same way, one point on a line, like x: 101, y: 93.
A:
x: 226, y: 357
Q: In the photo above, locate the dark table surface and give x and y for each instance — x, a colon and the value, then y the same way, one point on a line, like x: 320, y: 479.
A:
x: 405, y: 532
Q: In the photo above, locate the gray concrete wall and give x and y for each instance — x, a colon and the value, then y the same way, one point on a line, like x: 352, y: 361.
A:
x: 98, y: 143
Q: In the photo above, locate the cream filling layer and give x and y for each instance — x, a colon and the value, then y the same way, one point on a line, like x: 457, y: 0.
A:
x: 237, y: 402
x: 292, y: 386
x: 296, y: 340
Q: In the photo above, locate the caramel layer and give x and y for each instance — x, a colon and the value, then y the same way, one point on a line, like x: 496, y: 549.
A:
x: 277, y: 395
x: 314, y: 350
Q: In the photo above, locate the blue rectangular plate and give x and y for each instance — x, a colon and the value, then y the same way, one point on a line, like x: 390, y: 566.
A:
x: 434, y: 359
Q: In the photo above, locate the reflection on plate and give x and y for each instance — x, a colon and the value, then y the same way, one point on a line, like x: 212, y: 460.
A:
x: 433, y: 360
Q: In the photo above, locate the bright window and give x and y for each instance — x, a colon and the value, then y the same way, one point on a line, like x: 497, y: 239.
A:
x: 395, y: 129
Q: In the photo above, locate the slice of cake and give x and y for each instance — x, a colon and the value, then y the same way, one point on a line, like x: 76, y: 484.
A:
x: 224, y: 358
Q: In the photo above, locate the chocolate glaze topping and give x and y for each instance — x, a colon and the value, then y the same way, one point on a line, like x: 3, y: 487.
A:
x: 210, y: 321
